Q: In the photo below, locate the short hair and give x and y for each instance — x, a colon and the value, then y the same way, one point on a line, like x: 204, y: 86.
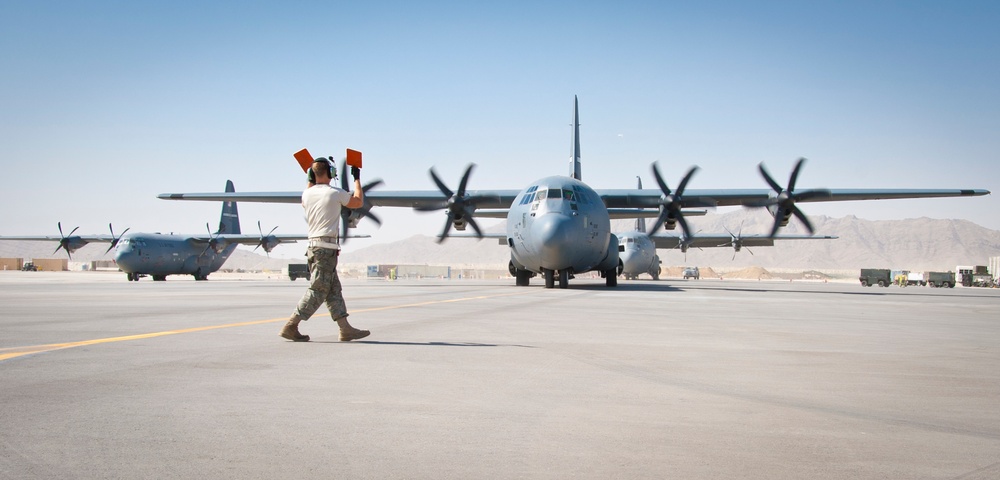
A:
x: 323, y: 166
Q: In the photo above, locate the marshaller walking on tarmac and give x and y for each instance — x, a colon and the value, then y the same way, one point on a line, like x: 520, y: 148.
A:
x: 322, y: 203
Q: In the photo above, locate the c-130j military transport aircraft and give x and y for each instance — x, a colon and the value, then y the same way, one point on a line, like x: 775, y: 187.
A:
x: 559, y: 226
x: 158, y: 255
x: 637, y: 249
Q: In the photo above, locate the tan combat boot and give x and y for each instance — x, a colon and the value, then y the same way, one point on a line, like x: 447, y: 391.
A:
x: 348, y: 333
x: 291, y: 330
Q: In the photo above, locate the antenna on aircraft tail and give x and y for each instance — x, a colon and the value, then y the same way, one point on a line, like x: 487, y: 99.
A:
x: 574, y: 161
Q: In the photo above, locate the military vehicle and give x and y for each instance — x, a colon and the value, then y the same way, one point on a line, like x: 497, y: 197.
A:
x: 298, y: 270
x: 940, y: 279
x: 875, y: 276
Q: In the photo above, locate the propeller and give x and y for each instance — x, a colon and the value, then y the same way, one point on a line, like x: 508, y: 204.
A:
x: 213, y: 241
x: 460, y: 206
x: 737, y: 241
x: 672, y: 203
x: 114, y: 239
x: 66, y: 241
x: 349, y: 218
x: 783, y: 205
x: 264, y: 242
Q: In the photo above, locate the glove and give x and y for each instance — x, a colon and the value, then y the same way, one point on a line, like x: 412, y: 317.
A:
x: 356, y: 173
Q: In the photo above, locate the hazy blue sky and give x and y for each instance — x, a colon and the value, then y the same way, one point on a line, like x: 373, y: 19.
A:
x: 104, y: 105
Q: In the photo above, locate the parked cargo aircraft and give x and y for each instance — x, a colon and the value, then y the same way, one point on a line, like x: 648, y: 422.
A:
x: 559, y: 226
x: 159, y: 255
x: 637, y: 249
x: 638, y: 256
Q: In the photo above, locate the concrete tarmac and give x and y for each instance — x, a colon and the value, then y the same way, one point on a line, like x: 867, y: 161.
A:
x: 104, y: 378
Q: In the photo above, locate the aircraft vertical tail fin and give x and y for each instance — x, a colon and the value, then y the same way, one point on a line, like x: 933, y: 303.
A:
x: 230, y: 221
x: 640, y: 223
x: 574, y: 161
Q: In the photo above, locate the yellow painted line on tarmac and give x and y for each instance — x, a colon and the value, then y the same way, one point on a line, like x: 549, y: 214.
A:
x: 14, y: 352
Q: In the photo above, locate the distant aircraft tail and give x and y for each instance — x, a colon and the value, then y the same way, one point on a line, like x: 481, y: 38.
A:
x: 230, y: 221
x: 640, y: 223
x: 574, y: 160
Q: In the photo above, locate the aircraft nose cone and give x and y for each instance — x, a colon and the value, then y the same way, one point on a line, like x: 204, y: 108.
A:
x: 124, y: 257
x: 629, y: 259
x: 555, y: 235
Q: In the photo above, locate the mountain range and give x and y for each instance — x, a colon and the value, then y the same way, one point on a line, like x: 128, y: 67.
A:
x: 912, y: 244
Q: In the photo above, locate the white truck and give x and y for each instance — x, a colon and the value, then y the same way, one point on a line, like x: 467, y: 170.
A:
x: 916, y: 278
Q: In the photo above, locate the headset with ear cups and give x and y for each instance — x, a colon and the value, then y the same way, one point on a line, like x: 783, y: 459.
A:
x: 331, y: 169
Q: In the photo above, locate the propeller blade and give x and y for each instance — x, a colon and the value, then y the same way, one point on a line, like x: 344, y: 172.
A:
x: 659, y: 180
x: 802, y: 218
x: 811, y: 194
x: 447, y: 228
x: 685, y: 180
x: 472, y: 223
x: 777, y: 225
x: 431, y: 207
x: 465, y: 179
x: 659, y: 220
x: 460, y: 207
x: 64, y: 240
x: 783, y: 205
x: 211, y: 240
x: 684, y: 227
x: 672, y: 204
x: 114, y: 239
x: 767, y: 177
x: 360, y: 212
x: 441, y: 186
x: 343, y: 176
x: 795, y: 174
x: 345, y: 225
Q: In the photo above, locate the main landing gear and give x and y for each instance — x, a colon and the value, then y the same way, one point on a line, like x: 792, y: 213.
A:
x: 551, y: 275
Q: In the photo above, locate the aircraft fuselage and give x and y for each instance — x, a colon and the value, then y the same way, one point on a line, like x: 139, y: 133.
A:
x: 638, y: 255
x: 159, y: 255
x: 560, y: 224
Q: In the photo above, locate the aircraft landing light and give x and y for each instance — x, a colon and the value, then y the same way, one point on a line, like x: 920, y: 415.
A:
x: 14, y: 352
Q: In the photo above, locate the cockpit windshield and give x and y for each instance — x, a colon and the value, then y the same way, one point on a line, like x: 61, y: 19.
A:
x: 574, y: 194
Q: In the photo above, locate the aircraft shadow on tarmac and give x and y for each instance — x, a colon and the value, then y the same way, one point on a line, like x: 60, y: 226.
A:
x: 627, y: 287
x: 424, y: 344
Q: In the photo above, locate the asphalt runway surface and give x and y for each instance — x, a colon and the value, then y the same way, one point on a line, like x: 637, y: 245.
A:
x: 104, y: 378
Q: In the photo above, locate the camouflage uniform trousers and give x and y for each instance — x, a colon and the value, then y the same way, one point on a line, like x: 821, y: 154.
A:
x: 325, y: 285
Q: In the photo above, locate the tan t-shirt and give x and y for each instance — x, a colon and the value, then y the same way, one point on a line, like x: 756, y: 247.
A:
x: 322, y: 204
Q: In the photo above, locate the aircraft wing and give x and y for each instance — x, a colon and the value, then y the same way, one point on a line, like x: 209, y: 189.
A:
x: 252, y: 239
x: 631, y: 213
x: 492, y: 213
x: 56, y: 238
x: 245, y: 239
x: 404, y: 198
x: 703, y: 240
x: 613, y: 198
x: 637, y: 198
x: 70, y: 243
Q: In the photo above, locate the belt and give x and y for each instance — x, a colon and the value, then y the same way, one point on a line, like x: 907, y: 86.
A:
x: 325, y: 242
